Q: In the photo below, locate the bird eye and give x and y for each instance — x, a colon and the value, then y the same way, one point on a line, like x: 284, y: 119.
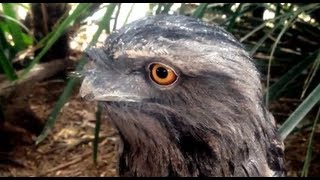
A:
x: 162, y: 74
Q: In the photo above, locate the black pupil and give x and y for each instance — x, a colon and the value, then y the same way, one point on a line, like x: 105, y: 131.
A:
x: 162, y: 72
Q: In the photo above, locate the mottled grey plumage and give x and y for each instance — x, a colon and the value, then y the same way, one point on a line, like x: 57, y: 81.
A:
x: 212, y: 122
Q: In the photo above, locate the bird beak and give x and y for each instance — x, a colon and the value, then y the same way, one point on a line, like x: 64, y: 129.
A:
x: 104, y: 84
x: 92, y: 91
x: 86, y: 91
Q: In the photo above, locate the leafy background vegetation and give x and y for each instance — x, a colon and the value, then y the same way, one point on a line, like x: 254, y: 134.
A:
x: 283, y: 39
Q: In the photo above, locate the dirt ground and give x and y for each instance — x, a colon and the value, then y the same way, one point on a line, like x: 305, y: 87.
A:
x: 67, y: 151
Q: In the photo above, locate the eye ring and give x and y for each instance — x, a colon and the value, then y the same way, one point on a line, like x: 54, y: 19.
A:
x: 162, y: 74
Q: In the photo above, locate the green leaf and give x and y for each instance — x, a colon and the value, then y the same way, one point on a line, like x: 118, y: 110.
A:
x: 278, y: 87
x: 70, y: 85
x: 307, y: 161
x: 111, y: 7
x: 260, y: 42
x: 8, y: 18
x: 201, y: 9
x: 7, y: 67
x: 300, y: 112
x: 166, y: 8
x: 4, y: 44
x: 292, y: 19
x: 272, y: 53
x: 96, y: 133
x: 307, y: 8
x: 28, y: 40
x: 56, y: 34
x: 15, y: 30
x: 311, y: 75
x: 234, y: 17
x: 160, y: 5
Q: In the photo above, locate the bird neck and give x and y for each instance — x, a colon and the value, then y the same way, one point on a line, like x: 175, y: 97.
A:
x: 159, y: 154
x: 164, y: 142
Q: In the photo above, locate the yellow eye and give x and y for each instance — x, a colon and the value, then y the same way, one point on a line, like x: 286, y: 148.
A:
x: 162, y: 74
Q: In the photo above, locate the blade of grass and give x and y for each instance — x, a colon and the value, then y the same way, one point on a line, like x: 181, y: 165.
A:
x: 278, y: 10
x: 284, y: 29
x: 275, y: 90
x: 263, y: 25
x: 311, y: 75
x: 225, y: 8
x: 291, y: 20
x: 201, y: 9
x: 129, y: 13
x: 116, y: 18
x: 98, y: 113
x: 96, y: 133
x: 166, y: 8
x: 43, y: 41
x: 15, y: 30
x: 214, y: 5
x: 56, y: 34
x: 158, y: 11
x: 69, y: 87
x: 278, y: 87
x: 306, y: 8
x: 16, y: 22
x: 5, y: 46
x: 99, y: 110
x: 58, y: 106
x: 234, y: 17
x: 300, y: 112
x: 182, y: 8
x: 260, y: 42
x: 89, y: 12
x: 109, y: 12
x: 7, y: 67
x: 307, y: 161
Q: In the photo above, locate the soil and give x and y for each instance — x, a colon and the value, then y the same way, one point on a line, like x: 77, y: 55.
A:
x: 68, y: 149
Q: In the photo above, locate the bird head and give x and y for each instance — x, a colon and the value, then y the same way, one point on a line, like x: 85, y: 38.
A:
x: 175, y: 81
x: 176, y: 61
